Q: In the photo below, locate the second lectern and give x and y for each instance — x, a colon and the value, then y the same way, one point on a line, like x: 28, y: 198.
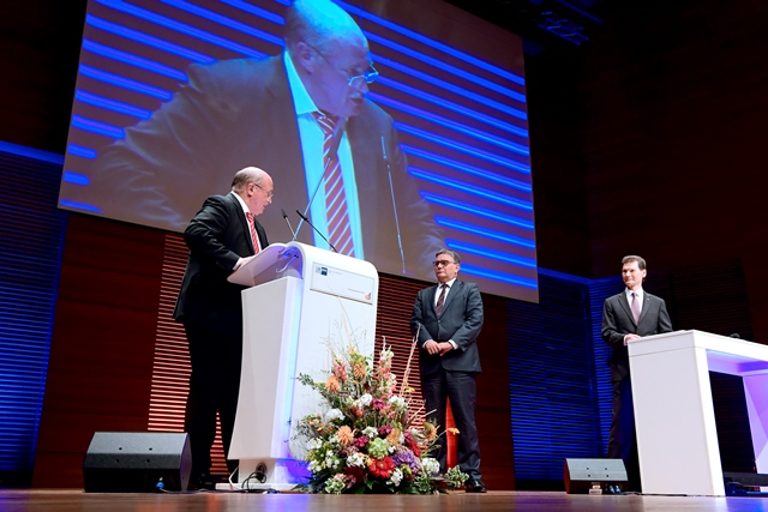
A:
x: 302, y: 300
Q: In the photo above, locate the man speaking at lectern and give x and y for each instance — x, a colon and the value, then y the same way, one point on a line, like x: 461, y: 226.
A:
x: 222, y: 233
x: 627, y: 316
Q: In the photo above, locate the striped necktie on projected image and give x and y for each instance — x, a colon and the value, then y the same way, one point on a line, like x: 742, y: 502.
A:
x: 336, y: 210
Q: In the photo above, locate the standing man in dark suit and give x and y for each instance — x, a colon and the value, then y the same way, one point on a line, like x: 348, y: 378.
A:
x: 628, y: 316
x: 266, y: 112
x: 219, y: 237
x: 448, y: 318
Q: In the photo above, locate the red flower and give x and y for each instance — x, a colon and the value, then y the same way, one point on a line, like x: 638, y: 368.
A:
x: 411, y: 443
x: 381, y: 468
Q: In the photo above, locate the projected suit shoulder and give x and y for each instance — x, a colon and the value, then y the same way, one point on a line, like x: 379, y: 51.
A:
x: 240, y: 112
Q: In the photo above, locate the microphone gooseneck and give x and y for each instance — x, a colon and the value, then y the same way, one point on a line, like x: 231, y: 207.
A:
x: 305, y: 219
x: 385, y: 156
x: 288, y: 221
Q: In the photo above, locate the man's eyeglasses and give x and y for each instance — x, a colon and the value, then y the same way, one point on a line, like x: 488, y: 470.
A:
x: 269, y: 193
x: 368, y: 76
x: 441, y: 263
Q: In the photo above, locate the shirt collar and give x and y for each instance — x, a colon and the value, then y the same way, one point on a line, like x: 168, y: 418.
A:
x: 449, y: 283
x: 241, y: 201
x: 302, y: 101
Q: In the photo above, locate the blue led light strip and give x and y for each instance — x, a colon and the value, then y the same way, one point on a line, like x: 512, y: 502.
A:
x: 499, y: 276
x: 97, y: 127
x: 453, y: 70
x: 465, y: 187
x: 467, y: 150
x: 133, y: 60
x: 37, y: 154
x: 455, y: 89
x: 75, y: 205
x: 511, y: 146
x: 76, y: 178
x: 442, y: 121
x: 113, y: 105
x: 148, y: 40
x: 225, y: 21
x: 487, y: 252
x: 441, y: 102
x: 125, y: 83
x: 183, y: 28
x: 485, y: 232
x: 81, y: 151
x: 257, y: 11
x: 352, y: 9
x: 475, y: 171
x: 474, y: 209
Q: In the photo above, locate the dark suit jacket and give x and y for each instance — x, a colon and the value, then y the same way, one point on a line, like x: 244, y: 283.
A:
x: 238, y: 113
x: 618, y: 322
x: 460, y: 321
x: 217, y: 236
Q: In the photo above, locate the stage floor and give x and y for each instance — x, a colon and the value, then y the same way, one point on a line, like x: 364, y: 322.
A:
x: 78, y: 501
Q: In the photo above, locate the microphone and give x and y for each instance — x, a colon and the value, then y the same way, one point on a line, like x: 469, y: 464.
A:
x: 316, y: 230
x: 285, y: 216
x: 385, y: 155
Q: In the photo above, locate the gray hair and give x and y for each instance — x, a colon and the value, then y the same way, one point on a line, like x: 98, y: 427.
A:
x: 245, y: 176
x: 319, y: 23
x: 453, y: 255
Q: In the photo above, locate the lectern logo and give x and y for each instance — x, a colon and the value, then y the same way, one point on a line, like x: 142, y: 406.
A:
x: 323, y: 271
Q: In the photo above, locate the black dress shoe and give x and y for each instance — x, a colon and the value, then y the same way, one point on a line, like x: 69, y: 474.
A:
x: 475, y: 485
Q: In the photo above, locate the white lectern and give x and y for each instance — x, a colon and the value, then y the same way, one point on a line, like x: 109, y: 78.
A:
x: 674, y: 416
x: 301, y: 301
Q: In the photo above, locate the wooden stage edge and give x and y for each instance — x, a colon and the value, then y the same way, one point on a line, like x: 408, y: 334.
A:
x: 75, y: 500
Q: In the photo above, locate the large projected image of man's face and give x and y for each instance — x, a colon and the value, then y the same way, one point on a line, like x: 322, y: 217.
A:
x: 339, y: 83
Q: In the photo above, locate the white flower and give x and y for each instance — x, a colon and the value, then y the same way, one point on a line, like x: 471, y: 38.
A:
x: 333, y: 414
x: 397, y: 401
x: 314, y: 444
x: 397, y: 477
x: 430, y: 465
x: 331, y: 461
x: 365, y: 400
x: 371, y: 432
x: 357, y: 459
x: 315, y: 466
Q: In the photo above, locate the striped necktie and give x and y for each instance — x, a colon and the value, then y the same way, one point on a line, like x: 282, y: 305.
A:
x: 254, y: 235
x: 337, y: 214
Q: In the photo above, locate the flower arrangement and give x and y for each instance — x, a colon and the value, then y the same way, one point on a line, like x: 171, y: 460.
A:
x: 366, y: 441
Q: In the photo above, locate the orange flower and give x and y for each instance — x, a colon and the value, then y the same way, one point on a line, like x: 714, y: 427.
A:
x: 332, y: 384
x: 394, y: 437
x: 359, y: 370
x: 345, y: 435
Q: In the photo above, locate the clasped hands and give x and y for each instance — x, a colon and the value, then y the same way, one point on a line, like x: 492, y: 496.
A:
x: 437, y: 348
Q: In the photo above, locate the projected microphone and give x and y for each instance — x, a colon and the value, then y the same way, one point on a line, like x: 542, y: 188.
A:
x: 316, y: 230
x: 287, y: 221
x: 385, y: 155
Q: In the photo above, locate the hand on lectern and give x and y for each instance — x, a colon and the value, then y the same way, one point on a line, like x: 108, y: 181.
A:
x: 629, y: 338
x: 242, y: 261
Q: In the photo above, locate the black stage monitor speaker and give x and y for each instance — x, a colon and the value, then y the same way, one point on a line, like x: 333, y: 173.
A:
x: 606, y: 476
x: 137, y: 462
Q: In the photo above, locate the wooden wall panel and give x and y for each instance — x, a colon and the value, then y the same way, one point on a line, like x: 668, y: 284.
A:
x: 102, y: 346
